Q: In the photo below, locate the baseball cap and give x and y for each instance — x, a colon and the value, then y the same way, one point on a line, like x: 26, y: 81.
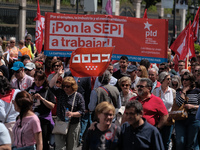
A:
x: 131, y: 68
x: 30, y: 66
x: 17, y: 65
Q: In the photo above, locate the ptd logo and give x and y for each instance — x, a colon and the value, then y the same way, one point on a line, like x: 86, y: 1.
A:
x: 150, y: 33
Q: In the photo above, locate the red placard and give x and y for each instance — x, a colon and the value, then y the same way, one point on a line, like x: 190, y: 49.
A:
x: 137, y: 38
x: 87, y: 62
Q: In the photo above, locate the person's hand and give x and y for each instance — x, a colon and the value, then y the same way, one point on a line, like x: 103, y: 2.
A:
x: 189, y: 106
x: 92, y: 126
x: 38, y: 96
x: 60, y: 71
x: 185, y: 89
x: 69, y: 114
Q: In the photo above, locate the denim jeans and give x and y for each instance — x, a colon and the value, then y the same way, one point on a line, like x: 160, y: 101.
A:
x: 186, y: 133
x: 84, y: 122
x: 166, y: 133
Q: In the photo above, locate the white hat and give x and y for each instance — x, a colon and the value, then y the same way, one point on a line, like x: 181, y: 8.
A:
x: 30, y: 66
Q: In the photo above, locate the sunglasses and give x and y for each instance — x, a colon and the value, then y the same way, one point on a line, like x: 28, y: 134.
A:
x: 66, y: 86
x: 39, y: 69
x: 12, y: 42
x: 57, y: 66
x: 139, y: 70
x: 175, y: 84
x: 168, y: 79
x: 141, y: 86
x: 195, y: 70
x: 28, y: 70
x: 123, y: 85
x: 186, y: 79
x: 17, y: 71
x: 28, y: 39
x: 58, y: 82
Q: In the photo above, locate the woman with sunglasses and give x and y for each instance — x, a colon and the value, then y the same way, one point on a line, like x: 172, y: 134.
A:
x: 167, y: 95
x: 56, y: 65
x: 65, y: 97
x: 175, y: 82
x: 12, y: 50
x: 142, y: 72
x: 27, y: 131
x: 44, y: 102
x: 105, y: 134
x: 125, y: 95
x: 187, y: 130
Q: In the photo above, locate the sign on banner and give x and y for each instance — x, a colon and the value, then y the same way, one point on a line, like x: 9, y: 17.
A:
x: 137, y: 38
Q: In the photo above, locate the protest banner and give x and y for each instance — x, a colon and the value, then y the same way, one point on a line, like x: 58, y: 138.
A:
x: 87, y: 62
x: 137, y: 38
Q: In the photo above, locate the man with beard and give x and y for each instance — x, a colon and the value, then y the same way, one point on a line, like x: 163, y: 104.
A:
x: 155, y: 111
x: 123, y: 64
x: 137, y: 133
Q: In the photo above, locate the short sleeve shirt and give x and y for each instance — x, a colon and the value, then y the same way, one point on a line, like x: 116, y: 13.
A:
x: 25, y: 136
x: 153, y: 108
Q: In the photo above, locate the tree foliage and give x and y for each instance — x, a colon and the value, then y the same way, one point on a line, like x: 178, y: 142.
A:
x: 150, y: 3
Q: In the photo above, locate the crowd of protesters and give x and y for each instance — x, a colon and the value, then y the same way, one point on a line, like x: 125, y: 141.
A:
x: 127, y: 107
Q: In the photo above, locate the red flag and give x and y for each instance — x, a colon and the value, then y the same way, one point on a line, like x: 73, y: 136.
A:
x: 175, y: 60
x: 108, y: 7
x: 38, y: 30
x: 87, y: 62
x: 145, y: 14
x: 191, y: 46
x: 195, y: 25
x: 182, y: 43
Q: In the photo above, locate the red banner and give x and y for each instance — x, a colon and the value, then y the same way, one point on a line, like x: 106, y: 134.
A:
x: 87, y: 62
x: 137, y: 38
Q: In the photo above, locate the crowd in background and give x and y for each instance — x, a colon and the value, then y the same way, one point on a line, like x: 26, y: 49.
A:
x: 127, y: 107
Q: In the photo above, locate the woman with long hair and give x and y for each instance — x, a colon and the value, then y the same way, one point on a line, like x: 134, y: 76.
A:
x: 142, y: 72
x: 44, y: 102
x: 27, y: 131
x: 187, y: 130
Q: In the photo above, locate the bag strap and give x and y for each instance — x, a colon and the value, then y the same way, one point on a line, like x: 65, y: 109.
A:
x: 11, y: 95
x: 109, y: 94
x: 45, y: 96
x: 73, y: 101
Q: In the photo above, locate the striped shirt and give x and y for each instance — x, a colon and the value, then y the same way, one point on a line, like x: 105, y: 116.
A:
x: 193, y: 98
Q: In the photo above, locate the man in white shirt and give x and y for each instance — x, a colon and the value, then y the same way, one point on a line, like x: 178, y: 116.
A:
x: 21, y: 80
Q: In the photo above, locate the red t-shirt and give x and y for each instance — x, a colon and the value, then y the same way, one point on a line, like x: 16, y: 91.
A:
x: 153, y: 108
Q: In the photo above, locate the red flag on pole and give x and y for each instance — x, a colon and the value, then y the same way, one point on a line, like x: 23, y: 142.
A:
x: 87, y: 62
x: 38, y: 30
x: 145, y: 14
x: 182, y: 43
x: 195, y: 25
x: 108, y: 7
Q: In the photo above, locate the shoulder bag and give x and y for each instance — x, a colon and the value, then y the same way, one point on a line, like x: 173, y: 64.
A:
x: 61, y: 127
x: 179, y: 113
